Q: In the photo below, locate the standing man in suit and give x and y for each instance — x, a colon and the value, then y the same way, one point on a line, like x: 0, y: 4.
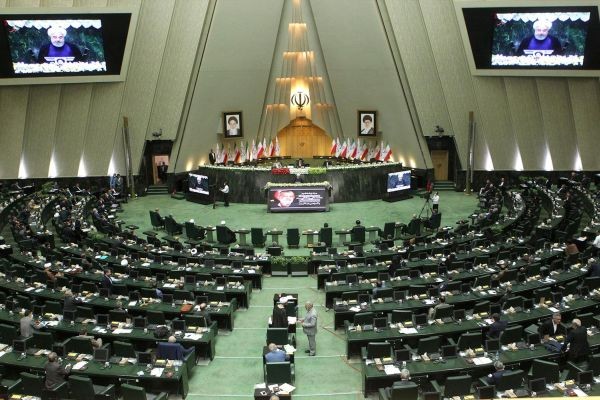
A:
x: 107, y: 280
x: 309, y: 326
x: 212, y: 157
x: 576, y: 345
x: 552, y: 328
x: 497, y: 326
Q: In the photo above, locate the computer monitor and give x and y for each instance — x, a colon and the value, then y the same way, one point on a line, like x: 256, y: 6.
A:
x: 144, y: 357
x: 414, y: 274
x: 167, y: 298
x: 19, y: 346
x: 378, y: 350
x: 102, y: 319
x: 140, y: 322
x: 420, y: 319
x: 181, y: 261
x: 134, y: 296
x: 537, y: 385
x: 104, y: 292
x: 69, y: 315
x: 364, y: 298
x: 118, y: 315
x: 492, y: 345
x: 433, y: 292
x: 351, y: 279
x: 585, y: 378
x: 459, y: 314
x: 38, y: 309
x: 341, y: 263
x: 134, y: 274
x: 178, y: 325
x: 528, y: 304
x: 449, y: 350
x: 380, y: 322
x: 221, y: 280
x: 533, y: 338
x: 101, y: 355
x: 209, y: 262
x: 332, y: 250
x: 486, y: 392
x: 495, y: 309
x: 76, y: 288
x: 402, y: 355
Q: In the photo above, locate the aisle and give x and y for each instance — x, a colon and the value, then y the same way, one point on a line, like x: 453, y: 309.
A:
x: 238, y: 364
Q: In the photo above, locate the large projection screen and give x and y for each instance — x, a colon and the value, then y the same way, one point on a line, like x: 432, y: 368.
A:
x: 571, y: 37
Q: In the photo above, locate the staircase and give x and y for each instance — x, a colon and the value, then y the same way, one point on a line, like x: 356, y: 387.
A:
x: 157, y: 189
x: 443, y: 186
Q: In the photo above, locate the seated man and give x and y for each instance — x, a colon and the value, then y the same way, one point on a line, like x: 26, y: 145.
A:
x: 275, y: 354
x: 204, y: 313
x: 96, y: 343
x: 496, y: 327
x: 55, y: 372
x: 441, y: 304
x: 404, y: 378
x: 174, y: 350
x: 494, y: 378
x: 552, y: 328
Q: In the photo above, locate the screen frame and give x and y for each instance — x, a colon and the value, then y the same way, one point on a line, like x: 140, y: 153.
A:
x: 273, y: 208
x: 400, y: 175
x: 45, y: 80
x: 197, y: 192
x: 459, y: 5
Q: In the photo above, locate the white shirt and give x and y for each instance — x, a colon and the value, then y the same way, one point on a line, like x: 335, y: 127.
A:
x: 597, y: 242
x: 225, y: 189
x: 435, y: 199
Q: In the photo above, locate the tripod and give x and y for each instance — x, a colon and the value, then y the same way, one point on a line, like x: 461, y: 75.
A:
x: 426, y: 206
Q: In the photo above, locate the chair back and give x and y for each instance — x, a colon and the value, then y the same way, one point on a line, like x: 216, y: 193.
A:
x: 278, y: 336
x: 76, y: 344
x: 8, y: 333
x: 406, y: 391
x: 81, y: 387
x: 545, y: 369
x: 293, y: 237
x: 257, y: 236
x: 326, y: 236
x: 43, y: 340
x: 364, y: 318
x: 131, y: 392
x: 278, y: 373
x: 389, y: 230
x: 123, y: 349
x: 459, y: 385
x: 156, y: 317
x: 511, y: 380
x: 429, y: 345
x: 53, y: 307
x: 357, y: 234
x: 169, y: 351
x: 32, y: 384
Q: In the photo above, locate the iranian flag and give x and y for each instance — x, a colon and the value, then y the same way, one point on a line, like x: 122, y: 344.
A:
x: 376, y: 152
x: 364, y: 151
x: 271, y: 148
x: 260, y: 150
x: 225, y: 154
x: 237, y: 154
x: 338, y: 147
x: 387, y: 153
x: 277, y: 148
x: 265, y: 152
x: 252, y: 153
x: 353, y: 149
x: 333, y: 150
x: 344, y: 149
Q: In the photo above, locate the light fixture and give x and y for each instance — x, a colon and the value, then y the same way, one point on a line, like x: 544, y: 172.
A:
x: 300, y: 99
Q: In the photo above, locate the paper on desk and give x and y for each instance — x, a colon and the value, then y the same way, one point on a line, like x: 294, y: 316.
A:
x: 192, y: 336
x: 429, y: 302
x: 220, y: 287
x: 157, y: 372
x: 286, y: 387
x: 132, y: 303
x: 553, y: 309
x: 408, y: 331
x: 260, y: 386
x: 51, y: 323
x: 251, y: 271
x: 482, y: 360
x: 355, y: 309
x: 292, y: 320
x: 120, y: 330
x: 79, y: 365
x: 289, y: 349
x: 579, y: 392
x: 391, y: 369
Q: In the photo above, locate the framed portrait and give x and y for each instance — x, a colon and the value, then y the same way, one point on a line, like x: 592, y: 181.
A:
x: 232, y: 124
x: 367, y: 123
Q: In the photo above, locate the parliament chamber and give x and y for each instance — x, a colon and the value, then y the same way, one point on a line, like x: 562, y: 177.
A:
x: 321, y: 199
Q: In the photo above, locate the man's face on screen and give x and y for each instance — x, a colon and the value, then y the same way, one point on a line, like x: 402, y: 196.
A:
x: 57, y: 39
x: 541, y: 32
x: 286, y: 198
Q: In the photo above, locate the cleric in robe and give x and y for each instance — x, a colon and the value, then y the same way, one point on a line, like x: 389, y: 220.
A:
x: 540, y: 42
x: 58, y: 50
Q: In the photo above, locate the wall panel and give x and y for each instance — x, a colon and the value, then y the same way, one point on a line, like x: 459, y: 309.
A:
x: 13, y: 103
x: 584, y: 95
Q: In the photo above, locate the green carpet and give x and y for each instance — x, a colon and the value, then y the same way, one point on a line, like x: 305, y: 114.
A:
x: 237, y: 366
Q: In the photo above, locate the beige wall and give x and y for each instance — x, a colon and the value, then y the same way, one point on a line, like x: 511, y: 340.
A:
x: 78, y: 126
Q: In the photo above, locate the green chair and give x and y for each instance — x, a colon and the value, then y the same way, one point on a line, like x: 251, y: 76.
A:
x: 258, y: 238
x: 293, y: 237
x: 53, y: 307
x: 404, y: 391
x: 81, y: 345
x: 156, y: 317
x: 156, y: 220
x: 278, y: 336
x: 82, y: 388
x: 459, y: 385
x: 42, y: 340
x: 8, y: 333
x: 32, y: 384
x: 278, y: 373
x: 172, y: 227
x: 546, y: 369
x: 8, y: 387
x: 130, y: 392
x: 326, y: 236
x: 123, y: 349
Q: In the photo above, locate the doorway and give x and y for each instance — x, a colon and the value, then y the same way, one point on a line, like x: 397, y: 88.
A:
x: 160, y: 166
x: 440, y: 158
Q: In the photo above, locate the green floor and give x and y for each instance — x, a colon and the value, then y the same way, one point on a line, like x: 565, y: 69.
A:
x: 237, y: 366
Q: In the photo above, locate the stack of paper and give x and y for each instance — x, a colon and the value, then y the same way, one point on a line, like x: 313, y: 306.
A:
x: 157, y: 372
x: 79, y: 365
x: 482, y: 360
x: 192, y: 336
x: 121, y: 331
x: 391, y: 369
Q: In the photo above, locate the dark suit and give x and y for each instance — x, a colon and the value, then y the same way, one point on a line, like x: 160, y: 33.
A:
x: 495, y: 378
x: 55, y: 374
x: 579, y: 346
x: 106, y: 282
x: 70, y: 303
x: 212, y: 158
x: 279, y: 318
x: 496, y: 328
x: 547, y: 328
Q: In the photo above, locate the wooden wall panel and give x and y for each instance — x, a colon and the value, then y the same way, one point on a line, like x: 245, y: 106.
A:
x: 13, y: 103
x: 584, y: 95
x: 42, y: 112
x: 71, y: 128
x: 526, y: 120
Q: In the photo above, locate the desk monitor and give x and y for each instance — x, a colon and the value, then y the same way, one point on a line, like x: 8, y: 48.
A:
x: 102, y: 319
x: 134, y: 274
x: 144, y: 357
x: 402, y: 355
x: 224, y: 251
x: 69, y: 315
x: 351, y: 279
x: 459, y: 314
x: 178, y: 325
x: 444, y: 312
x: 495, y: 309
x: 209, y: 262
x: 528, y: 304
x: 378, y: 350
x: 190, y: 279
x: 537, y: 385
x: 420, y: 319
x: 332, y: 251
x: 118, y: 315
x: 584, y: 291
x: 433, y: 292
x: 492, y: 345
x: 341, y: 263
x: 414, y: 274
x: 202, y: 299
x: 101, y: 355
x: 319, y: 249
x: 486, y: 392
x: 140, y: 322
x: 182, y: 261
x: 380, y: 322
x: 364, y: 298
x: 585, y: 378
x: 19, y: 346
x: 104, y: 292
x: 449, y: 350
x: 38, y: 309
x: 134, y: 296
x: 76, y: 289
x: 533, y: 338
x: 167, y: 298
x: 399, y: 295
x: 160, y: 277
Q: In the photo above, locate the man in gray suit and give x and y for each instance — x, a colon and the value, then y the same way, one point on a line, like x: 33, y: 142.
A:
x: 26, y: 328
x: 309, y: 326
x: 55, y: 372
